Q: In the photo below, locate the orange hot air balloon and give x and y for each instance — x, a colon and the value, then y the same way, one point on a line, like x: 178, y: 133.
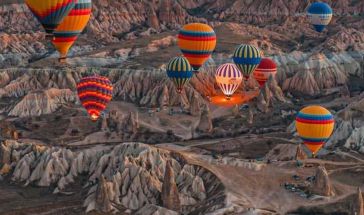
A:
x: 197, y: 41
x: 50, y: 13
x: 71, y: 27
x: 315, y: 125
x: 95, y: 92
x: 266, y: 68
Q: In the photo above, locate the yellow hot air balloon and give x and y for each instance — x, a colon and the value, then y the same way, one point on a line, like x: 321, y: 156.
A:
x: 315, y: 125
x: 71, y: 27
x: 50, y: 13
x: 197, y: 41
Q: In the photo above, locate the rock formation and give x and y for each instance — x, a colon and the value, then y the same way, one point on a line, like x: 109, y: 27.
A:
x: 130, y: 175
x: 322, y: 185
x: 349, y: 128
x: 39, y: 103
x: 170, y: 195
x: 270, y: 94
x: 19, y: 82
x: 205, y: 124
x: 282, y: 152
x: 360, y: 203
x: 300, y: 154
x: 155, y: 210
x: 104, y: 193
x: 8, y: 130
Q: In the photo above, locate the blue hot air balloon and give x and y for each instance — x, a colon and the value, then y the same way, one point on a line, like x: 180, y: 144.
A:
x: 319, y: 15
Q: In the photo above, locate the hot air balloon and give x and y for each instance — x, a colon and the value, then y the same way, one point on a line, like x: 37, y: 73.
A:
x: 197, y: 41
x: 314, y: 125
x: 50, y: 13
x: 266, y: 68
x: 94, y: 92
x: 319, y: 15
x: 72, y: 26
x: 247, y: 59
x: 228, y: 77
x: 180, y: 71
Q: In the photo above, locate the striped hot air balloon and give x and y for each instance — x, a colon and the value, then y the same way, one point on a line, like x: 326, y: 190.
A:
x: 247, y: 59
x: 71, y: 27
x: 229, y: 78
x: 319, y: 15
x: 314, y: 125
x: 266, y: 68
x: 197, y: 41
x: 180, y: 72
x: 95, y: 92
x: 50, y: 13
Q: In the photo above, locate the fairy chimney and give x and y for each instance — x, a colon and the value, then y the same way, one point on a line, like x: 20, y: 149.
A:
x: 322, y: 185
x: 300, y: 154
x: 170, y: 195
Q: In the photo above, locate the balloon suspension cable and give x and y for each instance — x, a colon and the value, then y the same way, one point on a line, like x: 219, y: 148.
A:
x: 62, y: 59
x: 49, y: 36
x: 179, y: 91
x: 94, y: 118
x: 196, y: 71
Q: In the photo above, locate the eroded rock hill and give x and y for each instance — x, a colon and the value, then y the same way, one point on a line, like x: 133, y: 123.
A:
x: 130, y: 175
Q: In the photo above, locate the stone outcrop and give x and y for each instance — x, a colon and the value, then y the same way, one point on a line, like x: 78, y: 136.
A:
x: 18, y: 82
x: 360, y: 203
x: 8, y: 130
x: 170, y: 195
x: 46, y: 102
x: 356, y: 140
x: 282, y: 152
x: 270, y: 94
x: 300, y: 154
x: 309, y: 74
x: 155, y: 210
x: 128, y: 175
x: 322, y: 185
x: 349, y: 128
x: 103, y: 196
x: 205, y: 124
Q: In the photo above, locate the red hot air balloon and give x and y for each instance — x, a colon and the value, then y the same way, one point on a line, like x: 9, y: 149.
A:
x: 266, y: 68
x: 95, y: 92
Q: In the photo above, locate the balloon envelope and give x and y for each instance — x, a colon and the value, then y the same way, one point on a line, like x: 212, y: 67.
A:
x: 315, y: 125
x: 50, y: 13
x: 72, y: 26
x: 266, y: 68
x: 197, y: 41
x: 247, y: 59
x: 94, y: 92
x: 180, y: 72
x: 229, y: 78
x: 319, y: 15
